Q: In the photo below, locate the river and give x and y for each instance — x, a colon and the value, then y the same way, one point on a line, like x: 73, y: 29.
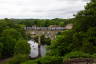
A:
x: 34, y: 49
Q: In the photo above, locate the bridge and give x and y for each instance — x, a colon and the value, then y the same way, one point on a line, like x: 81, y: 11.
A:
x: 49, y: 32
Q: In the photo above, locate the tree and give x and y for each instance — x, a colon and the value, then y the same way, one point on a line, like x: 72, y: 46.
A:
x: 9, y: 38
x: 61, y: 45
x: 81, y: 38
x: 86, y: 18
x: 22, y: 47
x: 86, y: 25
x: 44, y: 40
x: 1, y: 48
x: 10, y: 33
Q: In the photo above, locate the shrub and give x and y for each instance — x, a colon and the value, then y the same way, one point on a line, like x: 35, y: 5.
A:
x: 94, y: 55
x: 1, y: 46
x: 77, y: 54
x: 46, y: 60
x: 22, y: 47
x: 17, y: 59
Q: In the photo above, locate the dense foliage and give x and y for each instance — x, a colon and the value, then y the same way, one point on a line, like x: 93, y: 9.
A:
x: 12, y: 39
x: 46, y: 60
x: 79, y: 42
x: 81, y: 38
x: 43, y: 22
x: 43, y: 40
x: 17, y: 59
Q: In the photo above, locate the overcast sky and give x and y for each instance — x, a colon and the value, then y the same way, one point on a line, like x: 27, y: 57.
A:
x: 43, y: 9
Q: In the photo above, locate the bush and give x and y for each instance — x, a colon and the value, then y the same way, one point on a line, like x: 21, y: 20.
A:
x: 17, y: 59
x: 1, y: 46
x: 46, y: 60
x: 77, y: 54
x: 22, y: 47
x: 94, y: 55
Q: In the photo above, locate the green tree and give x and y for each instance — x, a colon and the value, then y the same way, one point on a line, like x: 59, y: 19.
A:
x: 10, y: 33
x: 9, y: 38
x: 61, y: 45
x: 22, y: 47
x: 86, y: 18
x: 82, y: 37
x: 1, y: 48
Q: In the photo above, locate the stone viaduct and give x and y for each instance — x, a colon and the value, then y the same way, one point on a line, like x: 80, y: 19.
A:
x: 49, y: 32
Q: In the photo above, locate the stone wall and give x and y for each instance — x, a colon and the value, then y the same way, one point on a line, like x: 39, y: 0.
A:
x: 47, y: 33
x: 80, y: 61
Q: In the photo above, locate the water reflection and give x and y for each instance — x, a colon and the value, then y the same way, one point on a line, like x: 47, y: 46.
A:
x: 43, y: 50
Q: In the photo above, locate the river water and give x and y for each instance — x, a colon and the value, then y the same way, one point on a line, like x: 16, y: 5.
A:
x: 34, y: 49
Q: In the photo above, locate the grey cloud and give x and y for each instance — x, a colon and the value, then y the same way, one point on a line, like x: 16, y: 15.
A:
x: 73, y: 0
x: 40, y: 8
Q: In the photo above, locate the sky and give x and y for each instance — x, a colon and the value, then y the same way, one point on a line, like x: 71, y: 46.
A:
x: 40, y: 9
